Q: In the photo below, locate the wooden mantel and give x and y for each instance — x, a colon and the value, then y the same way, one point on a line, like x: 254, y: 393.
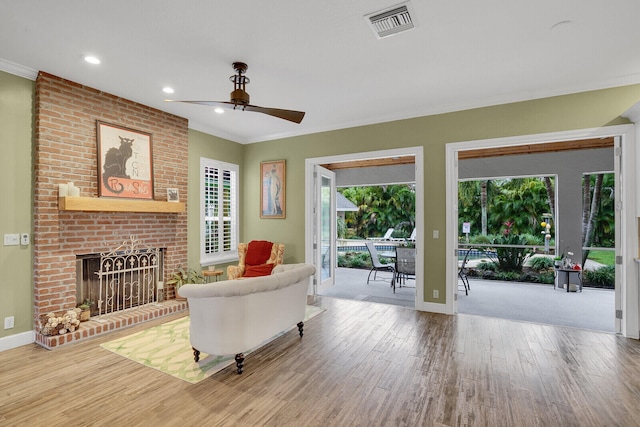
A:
x: 96, y: 204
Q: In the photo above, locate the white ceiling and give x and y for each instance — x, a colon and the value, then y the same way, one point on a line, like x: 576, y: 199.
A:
x: 321, y: 57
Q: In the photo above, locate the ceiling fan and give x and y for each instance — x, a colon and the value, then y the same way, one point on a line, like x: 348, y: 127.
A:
x: 240, y: 98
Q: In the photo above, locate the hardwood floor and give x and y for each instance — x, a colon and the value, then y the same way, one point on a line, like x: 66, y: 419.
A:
x: 359, y: 363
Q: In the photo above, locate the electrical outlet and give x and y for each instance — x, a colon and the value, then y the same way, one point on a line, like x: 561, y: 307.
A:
x: 436, y: 234
x: 9, y: 322
x: 436, y: 293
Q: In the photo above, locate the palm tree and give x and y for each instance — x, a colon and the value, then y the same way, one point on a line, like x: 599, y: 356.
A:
x: 551, y: 195
x: 468, y: 195
x: 590, y: 208
x: 380, y: 208
x: 483, y: 205
x: 520, y: 201
x: 468, y: 192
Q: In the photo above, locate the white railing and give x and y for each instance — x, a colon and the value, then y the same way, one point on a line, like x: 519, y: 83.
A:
x: 128, y: 277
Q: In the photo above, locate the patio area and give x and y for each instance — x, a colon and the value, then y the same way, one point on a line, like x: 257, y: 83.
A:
x: 592, y: 309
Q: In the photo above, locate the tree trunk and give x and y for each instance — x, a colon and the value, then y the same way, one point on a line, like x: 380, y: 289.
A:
x: 593, y: 208
x: 551, y: 194
x: 483, y: 204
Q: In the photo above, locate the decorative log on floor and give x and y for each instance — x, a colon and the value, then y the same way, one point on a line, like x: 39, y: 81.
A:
x: 196, y: 354
x: 240, y: 362
x: 300, y: 326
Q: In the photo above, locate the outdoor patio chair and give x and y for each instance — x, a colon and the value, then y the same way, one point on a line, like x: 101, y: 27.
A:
x: 405, y: 264
x: 462, y: 271
x: 387, y: 236
x: 378, y: 266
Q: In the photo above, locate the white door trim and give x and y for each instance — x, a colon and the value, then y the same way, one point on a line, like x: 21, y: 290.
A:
x: 419, y: 178
x: 629, y: 241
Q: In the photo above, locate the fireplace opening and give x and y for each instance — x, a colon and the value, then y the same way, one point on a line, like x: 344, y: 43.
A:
x: 123, y: 278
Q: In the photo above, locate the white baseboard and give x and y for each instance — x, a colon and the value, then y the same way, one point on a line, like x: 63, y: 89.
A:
x: 17, y: 340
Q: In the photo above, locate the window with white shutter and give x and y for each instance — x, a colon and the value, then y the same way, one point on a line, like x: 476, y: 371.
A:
x: 218, y: 211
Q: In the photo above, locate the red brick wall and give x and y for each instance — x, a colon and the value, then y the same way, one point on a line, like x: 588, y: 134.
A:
x: 65, y: 150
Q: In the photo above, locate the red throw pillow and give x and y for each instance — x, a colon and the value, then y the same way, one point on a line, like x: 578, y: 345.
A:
x: 258, y: 252
x: 258, y: 270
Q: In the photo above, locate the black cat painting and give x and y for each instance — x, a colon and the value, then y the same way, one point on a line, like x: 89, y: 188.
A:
x: 115, y: 164
x: 125, y: 162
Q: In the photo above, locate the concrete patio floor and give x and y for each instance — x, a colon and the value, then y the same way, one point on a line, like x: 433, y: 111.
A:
x: 592, y: 309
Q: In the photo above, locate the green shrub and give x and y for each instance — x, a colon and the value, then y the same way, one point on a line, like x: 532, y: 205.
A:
x: 354, y: 260
x: 511, y: 258
x: 487, y: 266
x: 547, y: 277
x: 480, y: 239
x: 508, y: 276
x: 532, y: 240
x: 541, y: 263
x: 602, y: 277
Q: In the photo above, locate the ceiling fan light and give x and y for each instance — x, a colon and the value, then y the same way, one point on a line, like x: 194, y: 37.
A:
x: 167, y: 89
x: 219, y: 110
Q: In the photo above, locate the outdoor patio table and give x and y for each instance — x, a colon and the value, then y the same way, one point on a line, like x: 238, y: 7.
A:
x: 567, y: 273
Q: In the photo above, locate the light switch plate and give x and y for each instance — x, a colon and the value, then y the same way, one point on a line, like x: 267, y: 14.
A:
x: 11, y: 239
x: 24, y: 239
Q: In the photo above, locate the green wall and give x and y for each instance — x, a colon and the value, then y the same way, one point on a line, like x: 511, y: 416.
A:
x: 212, y: 147
x: 576, y: 111
x: 562, y: 113
x: 16, y: 146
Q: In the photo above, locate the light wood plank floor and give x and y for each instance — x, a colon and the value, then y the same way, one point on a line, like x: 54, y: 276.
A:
x: 359, y: 364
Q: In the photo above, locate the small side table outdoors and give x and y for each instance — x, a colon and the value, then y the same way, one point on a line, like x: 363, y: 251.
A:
x: 211, y: 273
x: 567, y: 273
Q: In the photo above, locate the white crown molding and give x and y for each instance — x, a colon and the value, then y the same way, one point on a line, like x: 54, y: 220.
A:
x: 18, y: 70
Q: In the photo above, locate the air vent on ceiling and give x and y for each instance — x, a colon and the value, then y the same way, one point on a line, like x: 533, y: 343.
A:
x: 392, y: 21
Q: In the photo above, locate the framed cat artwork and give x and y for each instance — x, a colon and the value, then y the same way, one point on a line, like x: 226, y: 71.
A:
x: 125, y: 162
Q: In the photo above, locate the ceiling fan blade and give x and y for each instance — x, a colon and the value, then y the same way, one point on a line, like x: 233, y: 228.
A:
x: 223, y: 104
x: 291, y: 115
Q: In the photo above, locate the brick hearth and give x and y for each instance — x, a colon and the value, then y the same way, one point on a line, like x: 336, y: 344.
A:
x: 111, y: 322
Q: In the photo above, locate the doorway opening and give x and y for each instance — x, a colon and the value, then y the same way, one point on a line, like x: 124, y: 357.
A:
x: 625, y: 321
x: 385, y: 167
x: 516, y: 257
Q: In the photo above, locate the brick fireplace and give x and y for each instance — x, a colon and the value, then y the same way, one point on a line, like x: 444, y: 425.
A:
x: 65, y: 150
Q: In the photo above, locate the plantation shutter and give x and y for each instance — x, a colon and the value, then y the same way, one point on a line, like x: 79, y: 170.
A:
x: 219, y: 211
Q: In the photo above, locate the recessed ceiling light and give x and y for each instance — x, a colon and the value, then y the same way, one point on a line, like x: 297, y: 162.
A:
x: 91, y: 59
x: 167, y: 90
x: 219, y: 110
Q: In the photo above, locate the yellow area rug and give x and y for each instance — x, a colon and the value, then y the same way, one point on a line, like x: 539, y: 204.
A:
x: 167, y: 348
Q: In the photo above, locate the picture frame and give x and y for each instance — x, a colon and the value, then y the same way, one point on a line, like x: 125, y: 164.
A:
x: 125, y: 162
x: 273, y: 189
x: 173, y: 195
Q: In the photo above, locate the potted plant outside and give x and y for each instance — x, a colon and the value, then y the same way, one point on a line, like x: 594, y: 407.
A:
x: 182, y: 277
x: 558, y: 261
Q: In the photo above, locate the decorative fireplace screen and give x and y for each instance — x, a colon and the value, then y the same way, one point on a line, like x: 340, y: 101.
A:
x: 124, y: 278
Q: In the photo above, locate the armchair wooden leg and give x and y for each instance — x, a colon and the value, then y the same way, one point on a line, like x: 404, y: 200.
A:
x: 196, y: 354
x: 300, y: 326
